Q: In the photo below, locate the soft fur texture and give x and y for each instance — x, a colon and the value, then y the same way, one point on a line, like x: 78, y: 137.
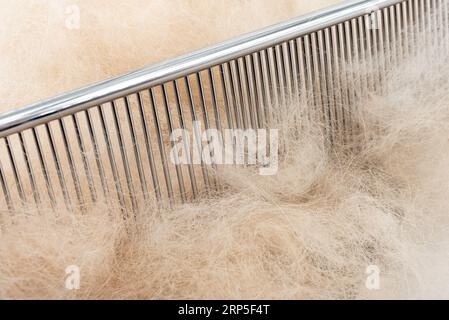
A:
x: 308, y: 232
x: 42, y: 57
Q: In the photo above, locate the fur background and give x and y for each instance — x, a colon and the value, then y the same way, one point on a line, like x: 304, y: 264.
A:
x: 311, y: 231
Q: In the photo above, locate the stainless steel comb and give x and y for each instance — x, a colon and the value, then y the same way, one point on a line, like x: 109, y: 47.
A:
x: 110, y: 141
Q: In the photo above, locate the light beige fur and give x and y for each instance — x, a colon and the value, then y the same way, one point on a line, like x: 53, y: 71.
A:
x: 308, y: 232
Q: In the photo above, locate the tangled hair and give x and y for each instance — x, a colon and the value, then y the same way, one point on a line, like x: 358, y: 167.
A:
x: 310, y: 231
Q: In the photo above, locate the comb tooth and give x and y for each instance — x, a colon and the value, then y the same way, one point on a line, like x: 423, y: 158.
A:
x: 171, y: 128
x: 206, y: 122
x: 241, y: 94
x: 149, y: 148
x: 216, y: 111
x: 410, y: 27
x: 288, y: 70
x: 372, y: 22
x: 44, y: 167
x: 323, y: 75
x: 369, y: 54
x: 278, y: 77
x: 274, y: 75
x: 83, y: 151
x: 435, y: 12
x: 234, y: 91
x: 15, y: 170
x: 112, y: 162
x: 423, y: 28
x: 160, y: 141
x: 197, y: 135
x: 97, y: 155
x: 29, y: 168
x: 346, y: 116
x: 74, y: 173
x: 5, y: 188
x: 393, y: 38
x: 386, y: 27
x: 249, y: 78
x: 136, y: 149
x: 309, y: 70
x: 350, y: 53
x: 267, y: 80
x: 405, y: 27
x: 224, y: 84
x: 315, y: 71
x: 302, y: 70
x: 417, y: 21
x: 339, y: 103
x: 126, y: 165
x: 252, y: 123
x: 259, y: 88
x: 362, y: 54
x: 438, y: 9
x: 427, y: 24
x: 294, y: 68
x: 278, y: 54
x: 352, y: 60
x: 182, y: 123
x: 446, y: 23
x: 330, y: 83
x: 440, y: 22
x: 57, y: 163
x: 380, y: 51
x: 213, y: 89
x: 399, y: 32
